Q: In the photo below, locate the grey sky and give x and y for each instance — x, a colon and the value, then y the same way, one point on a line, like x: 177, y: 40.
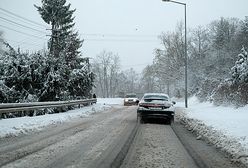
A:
x: 107, y: 24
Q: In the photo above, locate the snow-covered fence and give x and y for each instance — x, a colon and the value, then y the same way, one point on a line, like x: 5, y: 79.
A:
x: 20, y: 107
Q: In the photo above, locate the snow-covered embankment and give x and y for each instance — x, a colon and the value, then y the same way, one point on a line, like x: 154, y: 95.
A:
x: 224, y: 127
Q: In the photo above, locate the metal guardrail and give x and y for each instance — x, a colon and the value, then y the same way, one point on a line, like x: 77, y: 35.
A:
x: 19, y: 107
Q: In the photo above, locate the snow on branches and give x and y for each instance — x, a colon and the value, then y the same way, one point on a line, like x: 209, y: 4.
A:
x: 240, y: 70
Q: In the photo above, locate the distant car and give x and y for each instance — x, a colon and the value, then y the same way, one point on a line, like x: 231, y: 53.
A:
x: 156, y: 106
x: 131, y: 99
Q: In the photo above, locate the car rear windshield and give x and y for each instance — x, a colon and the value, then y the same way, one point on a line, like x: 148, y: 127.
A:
x: 156, y: 97
x: 130, y: 96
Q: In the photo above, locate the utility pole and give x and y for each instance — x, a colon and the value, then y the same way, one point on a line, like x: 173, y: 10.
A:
x: 185, y: 50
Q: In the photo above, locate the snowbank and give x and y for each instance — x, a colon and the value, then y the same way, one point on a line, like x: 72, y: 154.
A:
x: 110, y: 101
x: 24, y: 125
x: 224, y: 127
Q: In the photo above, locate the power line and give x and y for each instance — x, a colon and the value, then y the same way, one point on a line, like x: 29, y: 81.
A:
x: 22, y: 32
x: 21, y: 25
x: 22, y: 17
x: 23, y: 47
x: 123, y: 40
x: 24, y: 42
x: 120, y: 37
x: 21, y: 20
x: 117, y: 35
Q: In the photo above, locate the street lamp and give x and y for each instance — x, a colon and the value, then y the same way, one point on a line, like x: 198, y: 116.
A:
x: 185, y: 51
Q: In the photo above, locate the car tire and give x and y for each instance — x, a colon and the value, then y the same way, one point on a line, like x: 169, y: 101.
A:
x: 142, y: 120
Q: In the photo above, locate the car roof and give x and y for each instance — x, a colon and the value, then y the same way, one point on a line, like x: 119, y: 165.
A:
x: 156, y: 94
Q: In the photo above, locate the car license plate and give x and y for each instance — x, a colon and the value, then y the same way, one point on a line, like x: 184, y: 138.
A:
x: 155, y: 108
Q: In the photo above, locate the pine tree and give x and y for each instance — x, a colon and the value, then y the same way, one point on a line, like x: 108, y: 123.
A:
x: 67, y: 77
x: 72, y: 53
x: 240, y: 70
x: 81, y: 80
x: 59, y: 16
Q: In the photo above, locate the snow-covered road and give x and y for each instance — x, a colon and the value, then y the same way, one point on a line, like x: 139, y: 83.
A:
x: 83, y: 142
x: 225, y: 127
x: 156, y: 145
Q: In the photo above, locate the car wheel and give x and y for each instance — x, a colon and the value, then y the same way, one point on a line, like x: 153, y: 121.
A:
x: 142, y: 120
x: 172, y: 120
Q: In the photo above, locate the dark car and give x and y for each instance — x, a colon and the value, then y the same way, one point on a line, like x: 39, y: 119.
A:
x: 156, y: 106
x: 131, y: 99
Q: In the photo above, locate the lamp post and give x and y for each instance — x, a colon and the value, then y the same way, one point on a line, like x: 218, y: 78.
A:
x: 185, y: 51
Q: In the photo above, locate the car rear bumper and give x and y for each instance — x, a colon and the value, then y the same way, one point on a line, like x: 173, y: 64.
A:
x: 151, y: 114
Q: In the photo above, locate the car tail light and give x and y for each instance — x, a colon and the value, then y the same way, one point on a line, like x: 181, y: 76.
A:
x: 145, y: 105
x: 141, y: 104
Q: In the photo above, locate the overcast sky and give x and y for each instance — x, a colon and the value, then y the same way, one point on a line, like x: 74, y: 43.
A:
x: 128, y: 28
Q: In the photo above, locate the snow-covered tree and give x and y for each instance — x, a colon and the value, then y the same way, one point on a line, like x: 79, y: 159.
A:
x: 67, y: 76
x: 60, y: 74
x: 106, y: 66
x: 148, y: 79
x: 234, y: 90
x: 223, y: 38
x: 60, y: 17
x: 18, y: 79
x: 242, y: 39
x: 169, y: 61
x: 131, y: 83
x: 240, y: 70
x: 71, y: 51
x: 81, y: 80
x: 223, y: 32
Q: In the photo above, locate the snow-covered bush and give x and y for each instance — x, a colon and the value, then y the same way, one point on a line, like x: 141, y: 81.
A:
x: 231, y: 94
x: 80, y: 83
x: 234, y: 91
x: 32, y: 77
x: 206, y: 88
